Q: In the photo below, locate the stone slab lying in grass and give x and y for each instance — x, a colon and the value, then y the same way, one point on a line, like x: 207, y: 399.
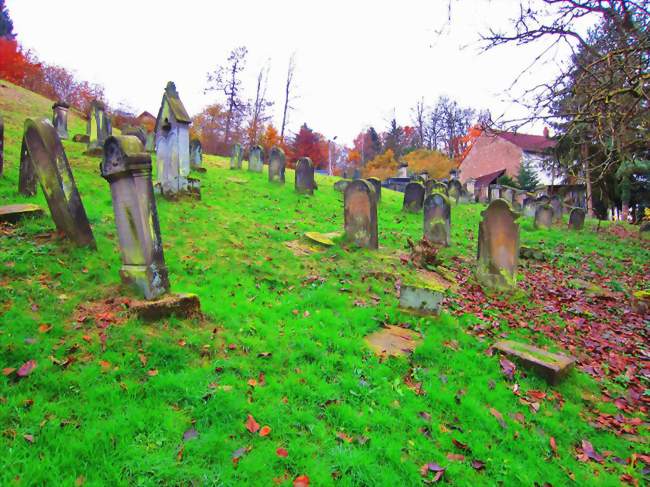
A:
x: 323, y: 238
x: 180, y: 305
x: 393, y: 341
x: 13, y: 213
x: 421, y: 299
x: 553, y: 367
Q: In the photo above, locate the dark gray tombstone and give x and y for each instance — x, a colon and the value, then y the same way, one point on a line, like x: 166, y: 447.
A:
x: 127, y: 168
x: 413, y: 197
x: 277, y: 164
x: 26, y: 175
x: 376, y: 183
x: 196, y: 155
x: 256, y: 159
x: 2, y: 144
x: 98, y: 127
x: 53, y: 171
x: 236, y: 157
x: 360, y: 207
x: 437, y: 219
x: 498, y: 246
x: 433, y: 185
x: 556, y: 203
x: 529, y: 207
x: 543, y: 216
x: 305, y: 176
x: 576, y: 219
x: 455, y: 190
x: 60, y: 118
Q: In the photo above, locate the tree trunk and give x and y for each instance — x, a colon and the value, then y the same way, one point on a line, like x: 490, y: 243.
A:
x: 585, y: 160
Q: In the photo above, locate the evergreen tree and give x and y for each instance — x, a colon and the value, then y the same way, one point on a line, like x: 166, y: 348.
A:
x: 6, y: 25
x: 527, y: 178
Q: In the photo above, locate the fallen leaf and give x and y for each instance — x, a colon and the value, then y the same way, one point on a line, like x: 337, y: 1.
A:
x: 152, y: 372
x: 252, y: 382
x: 432, y: 467
x: 29, y: 438
x: 190, y: 434
x: 179, y: 455
x: 26, y: 368
x: 478, y: 465
x: 281, y: 452
x: 508, y: 368
x: 455, y: 457
x: 301, y: 481
x: 588, y: 449
x: 143, y: 359
x: 44, y: 327
x: 458, y: 444
x: 8, y: 371
x: 105, y: 365
x: 499, y: 417
x: 553, y: 445
x: 240, y: 452
x: 265, y: 431
x: 251, y: 424
x: 343, y: 437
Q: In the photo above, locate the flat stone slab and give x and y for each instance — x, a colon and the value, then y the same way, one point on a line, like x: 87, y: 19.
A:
x: 393, y: 341
x: 323, y: 238
x: 13, y: 213
x: 421, y: 299
x: 237, y: 180
x: 180, y: 305
x: 300, y: 248
x: 553, y: 367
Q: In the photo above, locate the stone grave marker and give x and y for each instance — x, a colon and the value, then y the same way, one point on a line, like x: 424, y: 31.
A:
x: 196, y: 156
x: 60, y: 118
x: 236, y: 157
x: 553, y: 367
x: 98, y: 128
x: 304, y: 182
x: 393, y: 341
x: 529, y: 207
x: 376, y: 183
x: 256, y: 159
x: 433, y: 185
x: 26, y: 174
x: 341, y: 185
x: 543, y: 216
x: 508, y: 194
x: 277, y: 164
x: 413, y: 197
x: 423, y: 300
x: 543, y: 199
x: 556, y: 203
x: 14, y: 213
x: 498, y: 246
x: 495, y: 192
x: 470, y: 189
x: 360, y: 207
x: 576, y: 219
x: 455, y: 190
x: 138, y: 132
x: 437, y: 219
x: 150, y: 144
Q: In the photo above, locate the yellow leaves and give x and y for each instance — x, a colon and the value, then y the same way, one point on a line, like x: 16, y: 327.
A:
x: 436, y: 164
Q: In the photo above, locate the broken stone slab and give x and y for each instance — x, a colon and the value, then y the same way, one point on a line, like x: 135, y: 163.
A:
x: 237, y: 180
x: 13, y: 213
x: 393, y: 341
x: 552, y: 367
x: 323, y: 238
x: 180, y: 305
x: 421, y: 299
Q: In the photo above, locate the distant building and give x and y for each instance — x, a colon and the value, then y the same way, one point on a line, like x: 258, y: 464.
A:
x: 146, y: 120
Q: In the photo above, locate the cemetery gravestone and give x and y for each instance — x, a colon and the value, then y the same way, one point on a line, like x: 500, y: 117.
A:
x: 150, y: 144
x: 236, y: 157
x: 470, y: 189
x: 256, y: 159
x: 60, y: 118
x: 305, y: 176
x: 413, y: 197
x: 341, y: 185
x: 98, y: 127
x: 495, y: 192
x: 529, y: 207
x: 455, y: 190
x: 437, y: 219
x: 26, y: 173
x: 138, y: 132
x: 553, y: 367
x: 360, y: 214
x: 376, y: 183
x: 543, y: 199
x: 543, y: 216
x: 556, y: 203
x: 576, y: 219
x: 14, y: 213
x: 508, y: 194
x: 433, y: 185
x: 277, y: 165
x: 196, y: 156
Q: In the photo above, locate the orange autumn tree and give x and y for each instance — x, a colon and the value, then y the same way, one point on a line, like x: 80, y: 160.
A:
x: 383, y: 166
x: 271, y: 138
x: 434, y: 163
x: 466, y: 142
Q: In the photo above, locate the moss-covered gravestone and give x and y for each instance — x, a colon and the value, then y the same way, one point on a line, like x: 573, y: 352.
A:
x: 543, y: 216
x: 455, y: 190
x: 360, y: 213
x: 413, y: 197
x: 498, y: 246
x: 98, y: 127
x: 576, y: 219
x: 256, y: 159
x: 138, y: 132
x: 434, y: 185
x: 60, y: 118
x: 556, y: 204
x: 196, y: 156
x: 26, y: 172
x: 508, y: 194
x: 304, y: 182
x: 277, y: 165
x: 376, y: 183
x: 552, y: 367
x: 529, y: 207
x: 437, y: 219
x: 50, y: 164
x: 236, y: 157
x: 150, y: 144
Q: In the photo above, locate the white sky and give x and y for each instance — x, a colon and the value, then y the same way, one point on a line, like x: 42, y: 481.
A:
x: 357, y: 61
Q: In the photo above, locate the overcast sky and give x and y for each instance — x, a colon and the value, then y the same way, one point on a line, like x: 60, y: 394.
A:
x: 358, y: 62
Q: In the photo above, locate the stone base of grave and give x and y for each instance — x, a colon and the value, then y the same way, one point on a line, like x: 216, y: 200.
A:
x: 82, y: 138
x: 193, y: 191
x: 13, y: 213
x: 200, y: 169
x: 393, y: 341
x: 552, y: 367
x: 180, y: 305
x: 420, y: 299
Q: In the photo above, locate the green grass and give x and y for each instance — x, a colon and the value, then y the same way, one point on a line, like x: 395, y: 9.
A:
x: 117, y: 425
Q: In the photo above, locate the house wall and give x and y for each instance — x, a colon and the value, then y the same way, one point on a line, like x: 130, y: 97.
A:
x: 490, y: 154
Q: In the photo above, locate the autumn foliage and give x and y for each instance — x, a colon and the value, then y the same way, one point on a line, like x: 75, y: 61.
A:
x: 434, y: 163
x: 383, y: 166
x: 308, y: 143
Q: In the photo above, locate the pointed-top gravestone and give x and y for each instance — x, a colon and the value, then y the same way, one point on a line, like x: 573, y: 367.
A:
x: 455, y: 189
x: 576, y: 219
x: 556, y: 204
x: 60, y: 118
x: 50, y: 164
x: 543, y: 216
x: 498, y: 246
x: 277, y: 164
x: 413, y: 197
x: 437, y: 219
x: 256, y: 159
x: 98, y: 127
x: 304, y: 182
x: 360, y: 207
x: 236, y: 157
x: 2, y: 144
x: 376, y: 183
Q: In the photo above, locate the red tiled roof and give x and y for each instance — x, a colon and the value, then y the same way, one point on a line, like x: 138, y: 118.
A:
x: 527, y: 142
x: 487, y: 179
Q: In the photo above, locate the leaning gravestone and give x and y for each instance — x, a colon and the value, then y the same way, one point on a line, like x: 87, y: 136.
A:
x: 26, y: 173
x: 437, y: 219
x: 360, y: 213
x: 53, y: 171
x: 376, y: 183
x: 60, y: 118
x: 256, y: 159
x: 413, y: 197
x: 98, y: 128
x: 498, y: 246
x: 196, y: 156
x: 2, y: 144
x: 556, y: 203
x: 235, y: 157
x: 455, y: 190
x: 543, y: 216
x: 304, y: 182
x: 576, y: 219
x: 277, y: 165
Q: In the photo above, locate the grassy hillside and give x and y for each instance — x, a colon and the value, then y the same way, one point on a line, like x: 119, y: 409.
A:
x: 114, y: 401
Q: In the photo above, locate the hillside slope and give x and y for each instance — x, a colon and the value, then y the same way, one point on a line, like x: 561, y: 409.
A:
x: 114, y: 401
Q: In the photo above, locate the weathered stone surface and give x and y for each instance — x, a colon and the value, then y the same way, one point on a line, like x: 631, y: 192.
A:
x: 180, y: 305
x: 60, y: 118
x: 455, y: 189
x: 508, y: 194
x: 433, y: 185
x: 304, y: 182
x: 14, y: 213
x: 376, y: 183
x: 150, y: 144
x: 553, y: 367
x: 495, y: 192
x: 98, y: 127
x: 196, y: 156
x: 277, y: 164
x: 422, y: 299
x: 543, y: 200
x: 576, y: 219
x: 498, y: 246
x: 26, y: 173
x: 393, y: 341
x: 341, y: 185
x: 361, y: 214
x: 322, y: 238
x: 543, y: 216
x: 256, y: 159
x: 138, y: 132
x: 53, y: 171
x: 437, y: 219
x: 127, y: 168
x: 529, y: 207
x: 236, y: 157
x: 413, y: 197
x: 558, y: 209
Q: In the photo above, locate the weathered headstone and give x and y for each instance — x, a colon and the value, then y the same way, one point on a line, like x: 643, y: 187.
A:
x: 376, y: 183
x: 437, y: 219
x: 138, y: 132
x: 529, y: 207
x: 498, y: 246
x: 360, y: 207
x: 576, y: 219
x: 556, y: 203
x: 60, y: 118
x: 51, y: 166
x: 304, y: 182
x: 14, y: 213
x: 543, y: 199
x: 26, y: 173
x: 421, y: 299
x: 433, y: 185
x: 553, y: 367
x: 543, y: 216
x: 508, y: 194
x: 495, y: 192
x: 470, y: 189
x: 277, y: 165
x: 196, y: 156
x: 98, y: 127
x: 256, y: 159
x: 455, y: 189
x: 341, y: 185
x: 413, y: 197
x: 236, y: 157
x: 2, y: 144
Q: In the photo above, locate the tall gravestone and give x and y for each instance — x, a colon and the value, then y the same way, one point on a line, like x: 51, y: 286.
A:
x: 543, y: 216
x: 455, y: 190
x: 277, y: 163
x: 576, y: 219
x: 470, y: 189
x: 256, y: 159
x: 2, y: 144
x: 196, y: 154
x: 236, y: 157
x: 556, y: 203
x: 437, y: 219
x: 49, y: 162
x: 98, y: 127
x: 304, y: 182
x: 26, y: 173
x: 127, y: 168
x: 60, y: 118
x: 433, y: 185
x: 529, y: 207
x: 376, y: 183
x: 498, y: 246
x: 360, y: 214
x: 413, y: 197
